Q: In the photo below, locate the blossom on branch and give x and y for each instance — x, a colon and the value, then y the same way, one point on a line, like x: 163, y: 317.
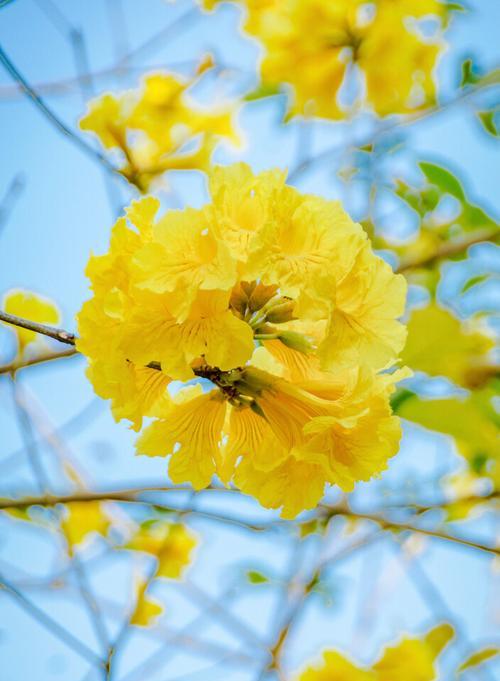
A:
x: 159, y: 127
x: 314, y: 47
x: 272, y: 307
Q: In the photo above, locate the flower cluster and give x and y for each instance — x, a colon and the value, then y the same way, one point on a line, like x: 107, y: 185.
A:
x: 158, y: 128
x: 273, y: 308
x: 312, y: 45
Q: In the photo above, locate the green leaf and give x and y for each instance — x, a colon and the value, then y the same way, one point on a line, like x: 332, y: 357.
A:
x: 443, y: 179
x: 491, y: 78
x: 474, y: 217
x: 263, y: 90
x: 474, y: 281
x: 478, y: 658
x: 472, y: 422
x: 440, y: 344
x: 256, y: 577
x: 487, y: 119
x: 399, y: 397
x: 469, y: 74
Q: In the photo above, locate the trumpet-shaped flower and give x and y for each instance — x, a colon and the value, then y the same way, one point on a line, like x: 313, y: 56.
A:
x: 158, y: 128
x: 246, y: 294
x: 311, y: 47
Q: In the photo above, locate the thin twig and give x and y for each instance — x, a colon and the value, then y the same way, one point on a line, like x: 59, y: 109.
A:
x: 408, y: 527
x: 42, y: 481
x: 30, y: 444
x: 327, y: 154
x: 434, y: 600
x: 125, y: 630
x: 70, y: 427
x: 164, y: 35
x: 50, y: 624
x: 17, y: 364
x: 130, y: 496
x: 13, y: 192
x: 450, y: 249
x: 147, y: 666
x: 66, y: 86
x: 51, y: 331
x: 307, y: 588
x: 53, y: 119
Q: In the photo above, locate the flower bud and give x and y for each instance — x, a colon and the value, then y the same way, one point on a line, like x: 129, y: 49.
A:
x: 281, y: 313
x: 260, y: 296
x: 238, y: 301
x: 248, y: 287
x: 296, y: 341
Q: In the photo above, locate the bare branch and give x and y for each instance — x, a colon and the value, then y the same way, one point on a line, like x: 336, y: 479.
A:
x: 450, y: 249
x: 164, y: 35
x: 408, y: 527
x: 14, y: 191
x: 389, y: 127
x: 50, y: 624
x: 59, y: 334
x: 14, y: 366
x: 54, y: 120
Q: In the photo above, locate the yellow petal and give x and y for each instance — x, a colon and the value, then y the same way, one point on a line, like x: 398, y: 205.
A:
x: 29, y: 306
x: 364, y: 327
x: 293, y: 485
x: 84, y: 518
x: 196, y: 425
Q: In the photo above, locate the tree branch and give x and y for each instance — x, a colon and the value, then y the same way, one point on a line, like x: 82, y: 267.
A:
x: 391, y: 126
x: 450, y: 249
x: 50, y: 624
x: 407, y: 527
x: 59, y: 334
x: 53, y: 119
x: 130, y: 496
x: 14, y: 366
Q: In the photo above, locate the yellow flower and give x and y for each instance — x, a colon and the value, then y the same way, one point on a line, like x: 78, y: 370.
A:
x: 246, y: 294
x: 293, y: 485
x: 412, y: 659
x: 33, y: 307
x: 172, y: 545
x: 310, y: 47
x: 364, y: 326
x: 335, y: 667
x: 194, y: 421
x: 147, y: 609
x: 158, y: 127
x: 283, y: 434
x: 241, y: 205
x: 84, y: 518
x: 184, y: 255
x: 303, y: 248
x: 210, y: 330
